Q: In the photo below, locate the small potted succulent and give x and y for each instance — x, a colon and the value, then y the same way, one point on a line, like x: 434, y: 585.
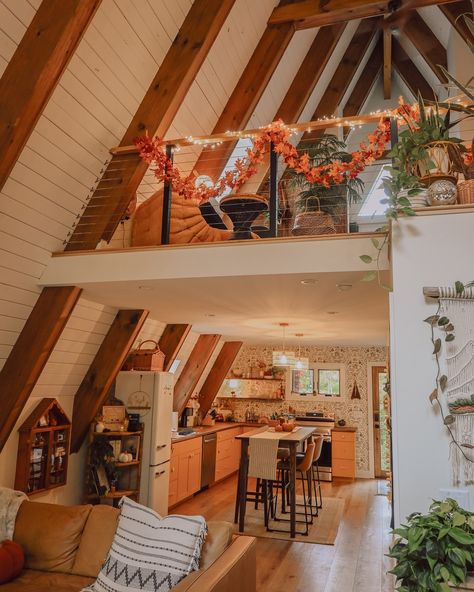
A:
x: 434, y: 552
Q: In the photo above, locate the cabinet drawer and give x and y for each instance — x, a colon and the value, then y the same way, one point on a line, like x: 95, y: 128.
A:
x: 343, y: 450
x: 343, y: 468
x: 179, y: 448
x: 343, y: 436
x: 228, y: 434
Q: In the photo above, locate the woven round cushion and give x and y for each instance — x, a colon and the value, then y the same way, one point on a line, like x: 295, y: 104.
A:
x: 11, y: 561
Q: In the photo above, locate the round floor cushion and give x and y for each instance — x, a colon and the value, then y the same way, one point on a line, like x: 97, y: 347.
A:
x: 11, y: 561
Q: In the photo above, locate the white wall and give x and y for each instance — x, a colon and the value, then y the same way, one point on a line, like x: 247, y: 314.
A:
x: 429, y: 250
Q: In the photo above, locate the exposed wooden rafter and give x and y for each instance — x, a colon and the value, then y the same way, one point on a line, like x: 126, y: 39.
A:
x: 427, y: 44
x: 108, y: 360
x: 316, y: 13
x: 35, y: 69
x: 155, y: 115
x: 193, y: 370
x: 31, y: 351
x: 171, y: 341
x: 387, y: 63
x: 410, y: 74
x: 246, y: 95
x: 217, y: 374
x: 454, y: 12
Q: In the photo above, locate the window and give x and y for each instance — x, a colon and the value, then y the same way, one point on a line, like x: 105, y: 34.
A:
x: 372, y: 208
x: 302, y: 382
x: 329, y: 382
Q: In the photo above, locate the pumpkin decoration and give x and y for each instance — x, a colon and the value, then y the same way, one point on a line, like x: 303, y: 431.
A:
x: 12, y: 560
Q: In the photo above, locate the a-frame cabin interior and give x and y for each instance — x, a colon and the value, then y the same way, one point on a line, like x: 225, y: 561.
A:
x: 236, y: 295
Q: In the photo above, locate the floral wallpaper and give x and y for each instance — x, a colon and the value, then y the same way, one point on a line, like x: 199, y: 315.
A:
x: 353, y: 411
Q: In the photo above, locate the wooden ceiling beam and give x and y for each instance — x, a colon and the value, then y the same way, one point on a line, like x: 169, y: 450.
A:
x: 410, y: 74
x: 307, y: 14
x: 453, y: 12
x: 217, y: 374
x: 193, y: 369
x: 427, y: 44
x: 171, y: 341
x: 31, y: 351
x: 154, y: 115
x: 35, y: 69
x: 94, y: 388
x: 246, y: 95
x: 387, y: 63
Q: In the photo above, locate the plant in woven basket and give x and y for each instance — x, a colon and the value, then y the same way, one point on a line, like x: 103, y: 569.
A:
x: 434, y: 550
x: 327, y: 203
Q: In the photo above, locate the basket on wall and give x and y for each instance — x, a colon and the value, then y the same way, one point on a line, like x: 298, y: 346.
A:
x: 466, y: 191
x: 148, y: 358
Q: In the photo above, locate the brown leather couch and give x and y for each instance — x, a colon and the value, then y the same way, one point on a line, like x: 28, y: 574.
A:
x: 65, y: 547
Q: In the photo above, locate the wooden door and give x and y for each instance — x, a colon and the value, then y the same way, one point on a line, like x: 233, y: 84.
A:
x: 382, y: 442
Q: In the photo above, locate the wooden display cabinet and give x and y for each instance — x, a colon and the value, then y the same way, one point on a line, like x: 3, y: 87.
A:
x: 43, y: 449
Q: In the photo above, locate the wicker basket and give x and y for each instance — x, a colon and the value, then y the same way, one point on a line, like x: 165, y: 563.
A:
x: 148, y: 358
x: 309, y: 223
x: 466, y: 192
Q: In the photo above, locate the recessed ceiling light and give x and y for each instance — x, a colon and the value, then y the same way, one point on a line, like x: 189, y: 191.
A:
x: 210, y: 314
x: 344, y: 287
x: 333, y: 312
x: 145, y: 287
x: 308, y: 282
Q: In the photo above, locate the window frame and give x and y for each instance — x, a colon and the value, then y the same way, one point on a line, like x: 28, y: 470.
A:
x: 316, y: 366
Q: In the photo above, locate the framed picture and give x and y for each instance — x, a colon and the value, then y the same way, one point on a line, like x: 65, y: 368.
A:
x: 99, y: 480
x: 113, y: 416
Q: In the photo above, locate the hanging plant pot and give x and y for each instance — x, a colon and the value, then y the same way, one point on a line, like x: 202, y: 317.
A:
x: 438, y: 164
x: 420, y: 200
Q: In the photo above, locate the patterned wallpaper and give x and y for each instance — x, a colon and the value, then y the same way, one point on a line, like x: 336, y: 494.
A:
x: 355, y: 412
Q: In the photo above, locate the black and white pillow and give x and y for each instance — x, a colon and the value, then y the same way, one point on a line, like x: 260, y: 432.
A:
x: 149, y: 552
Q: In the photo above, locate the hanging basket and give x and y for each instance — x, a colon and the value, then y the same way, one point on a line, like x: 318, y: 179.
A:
x: 148, y: 358
x: 466, y: 191
x: 313, y: 222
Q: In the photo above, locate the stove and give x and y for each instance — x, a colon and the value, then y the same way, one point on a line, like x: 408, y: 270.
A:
x: 323, y: 426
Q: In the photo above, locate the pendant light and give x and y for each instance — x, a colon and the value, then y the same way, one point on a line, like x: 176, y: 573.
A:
x: 301, y: 363
x: 284, y: 358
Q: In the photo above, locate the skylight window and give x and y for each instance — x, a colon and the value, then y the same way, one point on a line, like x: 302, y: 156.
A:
x: 372, y: 208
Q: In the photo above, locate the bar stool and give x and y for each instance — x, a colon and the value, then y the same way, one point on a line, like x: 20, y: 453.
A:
x: 303, y: 469
x: 316, y: 480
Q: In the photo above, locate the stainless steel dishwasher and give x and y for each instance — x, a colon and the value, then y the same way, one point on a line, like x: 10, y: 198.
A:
x: 208, y: 468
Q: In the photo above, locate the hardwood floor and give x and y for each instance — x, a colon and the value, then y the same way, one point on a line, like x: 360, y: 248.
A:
x: 356, y: 563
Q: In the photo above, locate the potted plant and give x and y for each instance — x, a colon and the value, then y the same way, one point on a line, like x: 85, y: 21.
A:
x: 322, y: 209
x: 434, y: 551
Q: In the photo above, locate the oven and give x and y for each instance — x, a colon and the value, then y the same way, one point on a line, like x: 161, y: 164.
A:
x: 323, y: 427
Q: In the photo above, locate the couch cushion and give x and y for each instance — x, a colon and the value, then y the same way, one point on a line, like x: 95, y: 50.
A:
x: 41, y: 581
x: 149, y: 552
x: 219, y: 537
x: 96, y: 540
x: 50, y: 534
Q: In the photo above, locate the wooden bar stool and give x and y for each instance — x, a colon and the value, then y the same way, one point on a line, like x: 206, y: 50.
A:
x: 316, y: 480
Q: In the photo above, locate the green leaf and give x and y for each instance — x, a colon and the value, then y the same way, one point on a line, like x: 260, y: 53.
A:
x: 369, y: 276
x: 449, y: 420
x: 443, y: 381
x: 443, y: 321
x: 459, y: 287
x: 443, y: 532
x: 449, y: 327
x: 366, y: 258
x: 449, y: 337
x: 432, y: 320
x: 445, y: 574
x: 375, y: 242
x: 437, y: 346
x: 458, y: 519
x: 461, y: 536
x: 386, y: 287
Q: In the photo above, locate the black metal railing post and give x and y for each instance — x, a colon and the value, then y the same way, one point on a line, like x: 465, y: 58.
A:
x: 167, y: 194
x: 273, y: 194
x: 393, y: 134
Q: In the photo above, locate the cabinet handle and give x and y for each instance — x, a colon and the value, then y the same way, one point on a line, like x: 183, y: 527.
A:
x: 159, y: 474
x: 160, y: 446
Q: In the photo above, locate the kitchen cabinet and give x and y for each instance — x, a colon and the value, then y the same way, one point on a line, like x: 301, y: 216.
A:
x: 343, y: 454
x: 227, y: 453
x: 185, y: 470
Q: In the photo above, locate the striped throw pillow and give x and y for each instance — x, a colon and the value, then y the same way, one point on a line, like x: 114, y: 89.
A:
x: 149, y: 552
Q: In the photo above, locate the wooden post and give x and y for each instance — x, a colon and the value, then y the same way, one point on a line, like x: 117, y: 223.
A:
x: 167, y: 196
x: 410, y: 74
x: 31, y: 352
x: 273, y: 197
x: 93, y: 390
x: 171, y: 341
x: 193, y: 370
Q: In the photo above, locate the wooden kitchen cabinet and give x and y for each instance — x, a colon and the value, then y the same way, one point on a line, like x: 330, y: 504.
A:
x: 343, y: 454
x: 185, y: 470
x: 227, y: 453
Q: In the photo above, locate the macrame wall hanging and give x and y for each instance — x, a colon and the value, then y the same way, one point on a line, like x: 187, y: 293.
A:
x: 459, y: 387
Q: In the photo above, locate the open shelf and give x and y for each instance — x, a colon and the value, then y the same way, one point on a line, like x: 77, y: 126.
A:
x: 260, y: 379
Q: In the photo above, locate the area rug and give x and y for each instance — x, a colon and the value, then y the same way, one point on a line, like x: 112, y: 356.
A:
x: 322, y: 532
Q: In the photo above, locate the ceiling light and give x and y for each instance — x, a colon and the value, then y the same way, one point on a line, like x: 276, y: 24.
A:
x: 210, y: 314
x: 145, y: 288
x: 301, y: 363
x: 308, y: 282
x: 333, y: 312
x: 283, y: 357
x: 344, y: 287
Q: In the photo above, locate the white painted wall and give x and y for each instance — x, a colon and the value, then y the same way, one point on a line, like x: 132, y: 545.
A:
x: 429, y: 250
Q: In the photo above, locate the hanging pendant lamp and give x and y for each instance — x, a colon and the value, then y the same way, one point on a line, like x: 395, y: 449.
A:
x: 284, y: 358
x: 301, y: 363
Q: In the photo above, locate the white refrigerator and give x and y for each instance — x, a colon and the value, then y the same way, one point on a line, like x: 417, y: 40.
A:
x: 151, y: 395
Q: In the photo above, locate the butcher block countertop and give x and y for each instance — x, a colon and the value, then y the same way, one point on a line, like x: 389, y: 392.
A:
x: 218, y: 427
x: 344, y: 429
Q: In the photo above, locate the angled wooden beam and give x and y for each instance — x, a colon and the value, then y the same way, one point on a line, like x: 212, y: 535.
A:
x: 193, y: 370
x: 344, y: 74
x: 427, y: 44
x: 246, y: 95
x: 387, y: 63
x: 35, y: 69
x: 155, y: 114
x: 217, y: 374
x: 171, y: 341
x: 31, y: 351
x: 108, y: 360
x: 317, y: 13
x: 453, y: 12
x: 410, y: 74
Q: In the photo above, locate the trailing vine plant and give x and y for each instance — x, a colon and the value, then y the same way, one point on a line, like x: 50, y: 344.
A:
x: 443, y: 328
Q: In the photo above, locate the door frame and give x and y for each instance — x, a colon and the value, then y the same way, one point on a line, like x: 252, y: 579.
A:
x: 378, y: 472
